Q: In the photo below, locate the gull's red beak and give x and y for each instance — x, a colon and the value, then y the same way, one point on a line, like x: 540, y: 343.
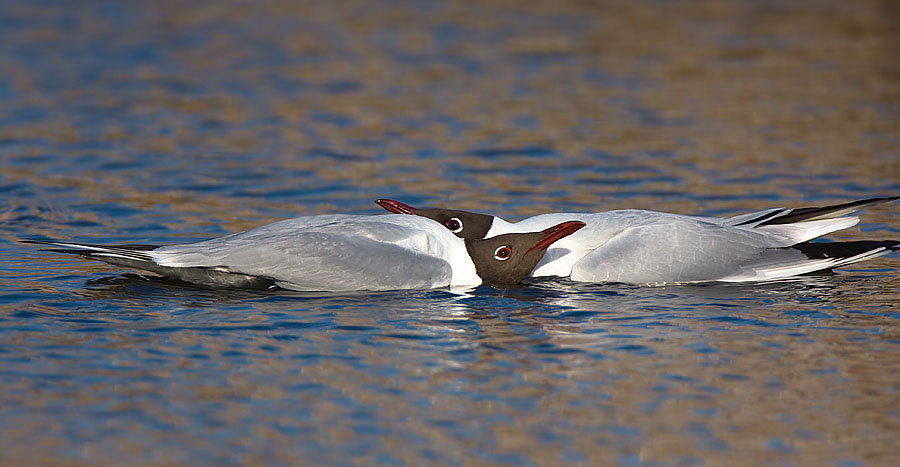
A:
x: 395, y: 207
x: 556, y: 232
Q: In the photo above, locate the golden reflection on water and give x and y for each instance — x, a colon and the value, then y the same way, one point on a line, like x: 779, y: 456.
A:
x: 824, y: 389
x: 729, y: 87
x: 509, y: 107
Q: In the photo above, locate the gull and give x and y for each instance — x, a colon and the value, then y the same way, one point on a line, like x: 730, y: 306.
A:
x: 338, y: 253
x: 648, y: 247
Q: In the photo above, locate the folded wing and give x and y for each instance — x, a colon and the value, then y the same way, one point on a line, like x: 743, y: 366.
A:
x: 339, y: 254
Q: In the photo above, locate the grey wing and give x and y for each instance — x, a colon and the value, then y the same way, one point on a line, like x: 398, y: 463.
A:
x: 335, y: 257
x: 671, y: 252
x: 283, y: 228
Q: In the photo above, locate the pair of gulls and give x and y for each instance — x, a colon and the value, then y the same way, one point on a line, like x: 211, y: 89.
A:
x: 429, y: 248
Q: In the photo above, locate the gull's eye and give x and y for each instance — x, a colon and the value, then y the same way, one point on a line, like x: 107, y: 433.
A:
x: 454, y: 224
x: 502, y: 253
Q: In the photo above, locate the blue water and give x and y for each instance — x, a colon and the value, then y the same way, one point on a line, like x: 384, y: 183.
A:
x: 160, y: 123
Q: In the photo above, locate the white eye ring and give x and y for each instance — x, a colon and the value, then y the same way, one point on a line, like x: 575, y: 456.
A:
x: 502, y: 253
x: 459, y: 222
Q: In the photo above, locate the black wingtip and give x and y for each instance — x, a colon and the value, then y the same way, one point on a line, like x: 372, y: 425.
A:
x: 32, y: 242
x: 121, y: 246
x: 842, y: 250
x: 134, y: 251
x: 802, y: 214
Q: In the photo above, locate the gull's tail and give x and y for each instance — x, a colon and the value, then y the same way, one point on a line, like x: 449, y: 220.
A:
x: 806, y: 258
x: 143, y: 257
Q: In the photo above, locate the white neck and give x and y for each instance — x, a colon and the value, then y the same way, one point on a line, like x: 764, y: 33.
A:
x: 499, y: 227
x: 433, y: 239
x: 462, y: 267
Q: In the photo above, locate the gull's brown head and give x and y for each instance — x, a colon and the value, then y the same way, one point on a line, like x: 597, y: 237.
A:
x: 464, y: 224
x: 509, y: 258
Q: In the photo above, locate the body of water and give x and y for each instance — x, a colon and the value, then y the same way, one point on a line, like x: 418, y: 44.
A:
x: 165, y: 122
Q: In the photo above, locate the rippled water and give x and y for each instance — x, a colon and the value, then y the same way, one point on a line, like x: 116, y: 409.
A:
x: 160, y: 122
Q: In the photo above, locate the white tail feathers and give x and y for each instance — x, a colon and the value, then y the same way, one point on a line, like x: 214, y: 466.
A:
x: 789, y: 262
x: 791, y: 234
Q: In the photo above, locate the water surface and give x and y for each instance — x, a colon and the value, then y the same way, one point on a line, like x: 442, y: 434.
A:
x: 168, y: 122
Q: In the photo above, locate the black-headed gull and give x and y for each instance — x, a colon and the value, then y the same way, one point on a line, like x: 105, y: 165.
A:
x: 646, y: 247
x: 339, y: 253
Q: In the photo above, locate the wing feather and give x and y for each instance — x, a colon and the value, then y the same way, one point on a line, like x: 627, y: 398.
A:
x: 679, y: 250
x: 338, y: 256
